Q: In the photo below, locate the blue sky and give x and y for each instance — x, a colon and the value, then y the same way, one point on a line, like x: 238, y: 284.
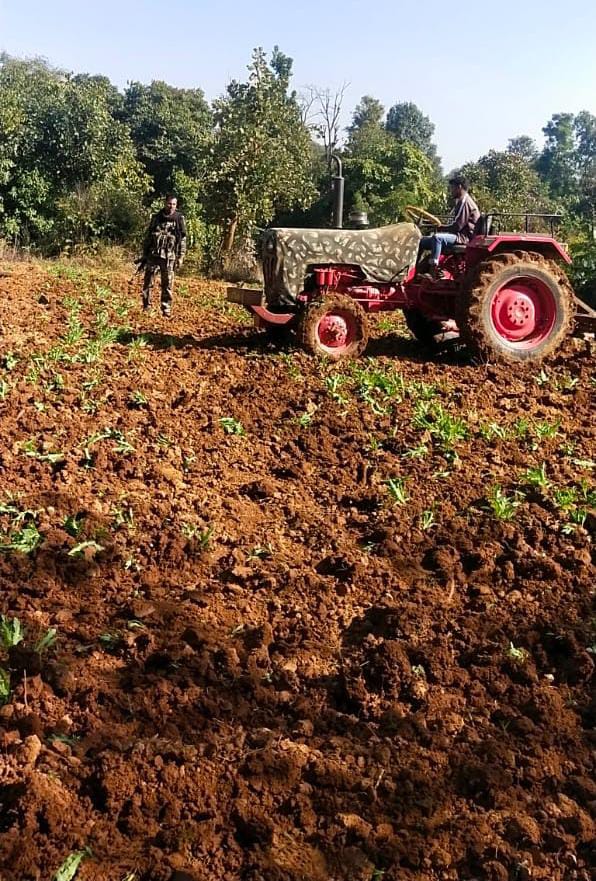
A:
x: 483, y: 72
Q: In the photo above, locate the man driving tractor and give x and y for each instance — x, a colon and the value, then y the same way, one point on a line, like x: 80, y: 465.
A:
x: 459, y: 228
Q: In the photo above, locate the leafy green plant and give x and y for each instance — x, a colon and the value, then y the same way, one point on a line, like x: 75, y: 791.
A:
x: 333, y: 385
x: 4, y: 389
x: 493, y: 430
x: 396, y: 487
x: 4, y: 686
x: 447, y: 429
x: 201, y: 536
x: 73, y: 524
x: 80, y: 548
x: 504, y: 507
x: 70, y: 866
x: 25, y: 541
x: 427, y: 520
x: 136, y: 347
x: 11, y: 631
x: 46, y: 641
x: 544, y: 430
x: 138, y: 399
x: 29, y: 448
x: 418, y: 452
x: 10, y: 360
x: 537, y: 477
x: 517, y: 655
x: 232, y: 426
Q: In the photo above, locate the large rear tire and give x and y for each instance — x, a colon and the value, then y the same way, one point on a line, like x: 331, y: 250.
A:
x: 516, y: 307
x: 335, y: 328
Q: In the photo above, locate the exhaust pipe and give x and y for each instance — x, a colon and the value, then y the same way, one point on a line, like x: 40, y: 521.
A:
x: 337, y: 188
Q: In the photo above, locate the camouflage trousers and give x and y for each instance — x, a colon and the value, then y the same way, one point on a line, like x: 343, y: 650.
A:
x: 165, y: 265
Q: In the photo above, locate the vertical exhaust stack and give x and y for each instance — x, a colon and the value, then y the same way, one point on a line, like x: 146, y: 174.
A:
x: 337, y: 188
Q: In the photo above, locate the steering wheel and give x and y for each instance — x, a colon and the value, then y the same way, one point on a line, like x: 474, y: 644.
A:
x: 416, y: 214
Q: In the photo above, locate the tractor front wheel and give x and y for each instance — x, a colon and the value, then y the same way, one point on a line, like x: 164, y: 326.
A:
x: 516, y: 307
x: 335, y: 327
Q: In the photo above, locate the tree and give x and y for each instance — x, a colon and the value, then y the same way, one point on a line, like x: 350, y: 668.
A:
x: 171, y: 129
x: 368, y: 112
x: 408, y: 123
x: 58, y: 139
x: 523, y: 146
x: 384, y: 173
x: 321, y: 113
x: 505, y: 181
x: 261, y: 160
x: 557, y: 162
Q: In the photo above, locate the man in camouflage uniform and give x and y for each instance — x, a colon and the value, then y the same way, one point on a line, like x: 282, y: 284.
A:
x: 164, y: 249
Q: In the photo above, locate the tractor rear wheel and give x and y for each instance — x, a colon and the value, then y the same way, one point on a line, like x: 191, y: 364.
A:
x: 335, y: 327
x: 516, y: 307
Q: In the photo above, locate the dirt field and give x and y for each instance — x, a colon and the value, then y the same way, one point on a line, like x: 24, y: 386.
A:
x: 311, y: 622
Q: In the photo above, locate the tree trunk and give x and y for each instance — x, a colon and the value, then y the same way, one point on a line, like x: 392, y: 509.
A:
x: 229, y: 235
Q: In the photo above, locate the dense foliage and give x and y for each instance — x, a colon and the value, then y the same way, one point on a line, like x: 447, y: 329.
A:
x: 81, y: 162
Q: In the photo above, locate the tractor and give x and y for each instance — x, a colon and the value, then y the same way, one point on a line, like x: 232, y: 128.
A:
x: 504, y: 294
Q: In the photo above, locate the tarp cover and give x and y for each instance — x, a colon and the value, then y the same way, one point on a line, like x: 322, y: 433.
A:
x: 384, y: 255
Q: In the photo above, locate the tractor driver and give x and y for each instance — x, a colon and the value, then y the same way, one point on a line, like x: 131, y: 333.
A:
x: 459, y: 228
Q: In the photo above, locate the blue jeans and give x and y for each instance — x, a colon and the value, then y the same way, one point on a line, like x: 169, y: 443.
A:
x: 436, y: 243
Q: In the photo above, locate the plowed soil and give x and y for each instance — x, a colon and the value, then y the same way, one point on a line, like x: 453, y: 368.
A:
x: 292, y: 638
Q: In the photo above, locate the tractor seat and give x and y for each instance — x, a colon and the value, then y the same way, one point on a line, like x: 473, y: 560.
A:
x: 481, y: 228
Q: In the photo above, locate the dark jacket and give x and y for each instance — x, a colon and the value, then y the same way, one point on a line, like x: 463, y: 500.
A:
x: 166, y: 237
x: 463, y: 218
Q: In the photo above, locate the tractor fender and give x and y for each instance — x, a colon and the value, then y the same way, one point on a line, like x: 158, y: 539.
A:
x: 545, y: 245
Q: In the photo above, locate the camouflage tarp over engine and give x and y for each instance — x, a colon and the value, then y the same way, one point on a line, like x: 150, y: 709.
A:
x: 383, y: 254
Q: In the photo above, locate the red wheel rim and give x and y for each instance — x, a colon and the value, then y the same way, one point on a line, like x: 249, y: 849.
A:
x: 336, y: 331
x: 523, y: 312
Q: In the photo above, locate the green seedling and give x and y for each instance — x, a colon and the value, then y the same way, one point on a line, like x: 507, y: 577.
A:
x: 432, y: 417
x: 123, y: 516
x: 520, y: 428
x: 260, y: 553
x: 138, y: 399
x: 11, y: 631
x: 29, y: 448
x: 396, y: 487
x: 565, y: 498
x: 333, y: 385
x: 4, y: 686
x: 517, y: 655
x: 504, y: 507
x: 537, y: 477
x: 164, y: 441
x: 10, y: 361
x: 493, y: 430
x: 70, y: 866
x: 418, y: 452
x: 427, y: 520
x: 46, y: 641
x: 25, y: 541
x: 195, y: 533
x: 4, y: 389
x: 73, y: 524
x: 542, y: 378
x: 80, y: 549
x: 136, y: 347
x: 232, y: 426
x: 110, y: 640
x: 544, y: 430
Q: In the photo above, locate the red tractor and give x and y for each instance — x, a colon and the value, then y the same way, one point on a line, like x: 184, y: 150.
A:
x: 504, y: 294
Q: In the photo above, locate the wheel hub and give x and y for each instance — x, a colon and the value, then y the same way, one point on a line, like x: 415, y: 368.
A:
x: 523, y: 312
x: 333, y: 330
